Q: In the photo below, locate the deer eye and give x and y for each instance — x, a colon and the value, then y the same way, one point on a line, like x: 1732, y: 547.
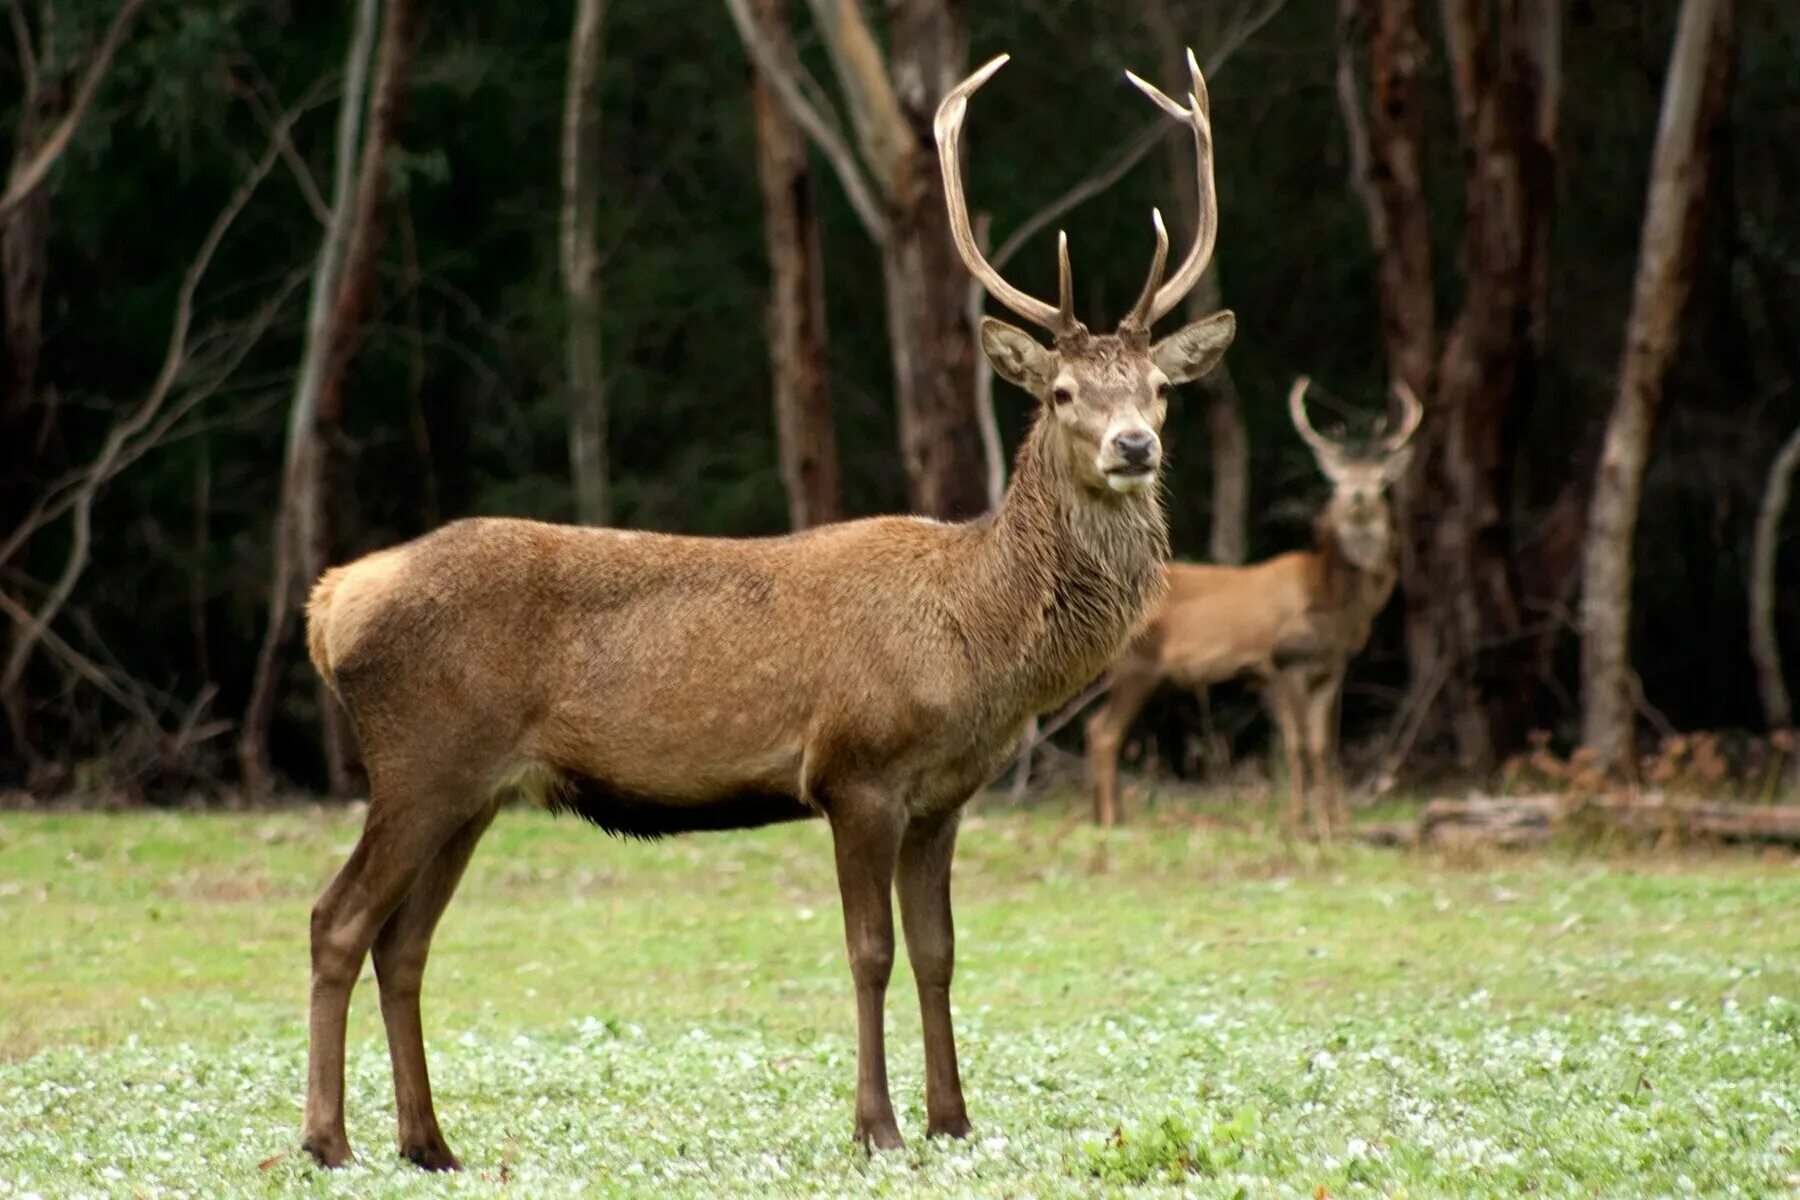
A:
x: 1163, y: 389
x: 1061, y: 395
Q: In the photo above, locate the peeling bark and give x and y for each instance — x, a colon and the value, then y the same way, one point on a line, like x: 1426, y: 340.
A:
x: 1457, y: 571
x: 804, y: 427
x: 581, y: 265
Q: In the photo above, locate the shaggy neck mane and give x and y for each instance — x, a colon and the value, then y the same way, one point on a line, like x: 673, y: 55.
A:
x: 1062, y: 574
x: 1345, y: 581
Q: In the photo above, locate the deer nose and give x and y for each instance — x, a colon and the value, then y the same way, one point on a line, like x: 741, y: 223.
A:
x: 1135, y: 446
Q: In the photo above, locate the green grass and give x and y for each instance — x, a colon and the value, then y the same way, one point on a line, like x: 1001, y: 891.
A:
x: 1173, y: 1009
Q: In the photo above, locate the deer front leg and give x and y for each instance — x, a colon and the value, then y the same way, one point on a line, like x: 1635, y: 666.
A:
x: 1322, y: 714
x: 1284, y: 700
x: 1129, y: 687
x: 925, y: 853
x: 865, y: 830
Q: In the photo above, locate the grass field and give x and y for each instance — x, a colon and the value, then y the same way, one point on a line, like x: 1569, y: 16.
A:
x: 1169, y: 1010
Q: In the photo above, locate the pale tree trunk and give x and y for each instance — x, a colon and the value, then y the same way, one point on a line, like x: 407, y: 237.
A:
x: 356, y: 295
x: 581, y: 264
x: 301, y: 466
x: 1765, y: 643
x: 1228, y: 440
x: 804, y: 426
x: 1694, y: 102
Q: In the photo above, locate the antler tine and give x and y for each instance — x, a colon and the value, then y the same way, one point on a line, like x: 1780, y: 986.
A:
x: 1065, y: 283
x: 1411, y: 413
x: 1303, y: 425
x: 1139, y: 317
x: 947, y: 126
x: 1197, y: 115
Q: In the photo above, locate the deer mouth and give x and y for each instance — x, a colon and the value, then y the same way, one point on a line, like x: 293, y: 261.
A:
x: 1130, y: 477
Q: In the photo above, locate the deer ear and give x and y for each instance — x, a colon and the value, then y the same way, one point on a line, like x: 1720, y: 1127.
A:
x: 1393, y: 468
x: 1191, y: 352
x: 1018, y: 358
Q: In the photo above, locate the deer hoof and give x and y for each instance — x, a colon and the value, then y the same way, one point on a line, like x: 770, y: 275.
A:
x: 957, y: 1127
x: 880, y: 1135
x: 329, y: 1151
x: 431, y: 1156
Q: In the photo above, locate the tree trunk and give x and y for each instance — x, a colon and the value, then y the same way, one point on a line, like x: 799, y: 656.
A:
x: 1765, y: 643
x: 1488, y: 369
x: 1694, y: 102
x: 1463, y: 611
x: 893, y: 183
x: 581, y: 264
x: 804, y: 426
x: 302, y: 472
x: 356, y: 294
x: 1385, y: 155
x: 929, y: 338
x: 1228, y: 540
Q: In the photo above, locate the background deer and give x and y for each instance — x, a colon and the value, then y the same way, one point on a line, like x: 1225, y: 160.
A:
x: 1292, y: 623
x: 873, y: 673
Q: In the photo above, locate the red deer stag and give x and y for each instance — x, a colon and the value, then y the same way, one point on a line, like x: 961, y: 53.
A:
x: 873, y: 673
x: 1293, y: 623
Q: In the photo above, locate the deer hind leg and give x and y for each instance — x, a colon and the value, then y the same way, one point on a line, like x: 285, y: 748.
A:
x: 400, y: 951
x: 1322, y: 711
x: 926, y: 849
x: 866, y: 830
x: 404, y: 830
x: 1106, y: 730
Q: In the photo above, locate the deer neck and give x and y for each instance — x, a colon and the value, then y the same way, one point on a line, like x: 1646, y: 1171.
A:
x: 1067, y: 574
x: 1362, y: 583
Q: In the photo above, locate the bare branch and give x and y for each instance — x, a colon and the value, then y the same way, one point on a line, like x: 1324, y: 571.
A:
x: 1241, y: 31
x: 27, y: 56
x: 27, y: 175
x: 106, y: 463
x: 303, y: 176
x: 782, y: 76
x: 83, y: 666
x: 1765, y: 643
x: 875, y: 111
x: 1133, y: 153
x: 1356, y: 132
x: 1083, y: 190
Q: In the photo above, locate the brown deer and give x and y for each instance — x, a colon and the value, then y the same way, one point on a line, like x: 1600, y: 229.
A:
x: 1292, y: 623
x: 873, y: 673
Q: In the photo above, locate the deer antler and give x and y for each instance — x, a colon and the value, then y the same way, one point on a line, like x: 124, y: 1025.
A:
x: 1197, y: 115
x: 1322, y: 446
x: 1139, y: 317
x: 947, y: 125
x: 1411, y: 413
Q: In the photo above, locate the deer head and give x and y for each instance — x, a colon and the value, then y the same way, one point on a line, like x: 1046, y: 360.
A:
x: 1357, y: 513
x: 1104, y: 395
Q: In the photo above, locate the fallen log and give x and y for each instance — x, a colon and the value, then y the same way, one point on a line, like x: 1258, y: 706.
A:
x: 1521, y: 821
